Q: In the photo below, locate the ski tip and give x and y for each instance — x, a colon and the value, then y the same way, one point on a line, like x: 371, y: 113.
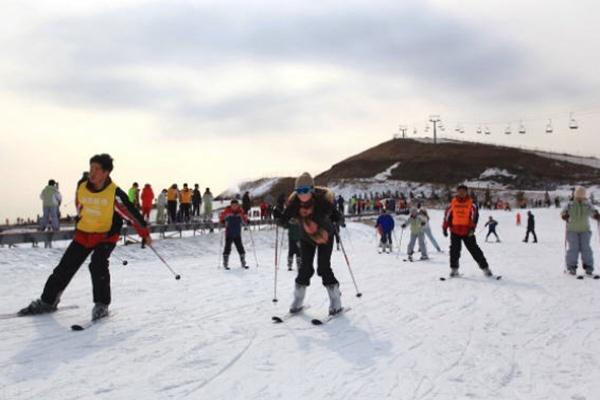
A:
x: 442, y: 278
x: 358, y: 294
x: 316, y: 322
x: 77, y: 327
x: 580, y: 277
x: 498, y: 277
x: 596, y: 276
x: 276, y: 319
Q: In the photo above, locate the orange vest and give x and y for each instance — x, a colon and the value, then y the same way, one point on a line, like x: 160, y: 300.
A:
x: 461, y: 212
x: 186, y: 196
x: 172, y: 194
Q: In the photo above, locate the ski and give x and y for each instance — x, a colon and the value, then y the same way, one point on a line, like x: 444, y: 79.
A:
x: 278, y: 320
x: 444, y: 278
x: 17, y: 315
x: 418, y: 260
x: 317, y: 321
x: 89, y: 324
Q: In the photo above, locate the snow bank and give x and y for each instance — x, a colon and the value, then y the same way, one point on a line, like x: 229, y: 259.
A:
x: 492, y: 172
x: 383, y: 176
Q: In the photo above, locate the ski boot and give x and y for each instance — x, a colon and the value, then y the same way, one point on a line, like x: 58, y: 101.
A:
x: 37, y: 307
x: 226, y: 261
x: 487, y: 272
x: 100, y: 310
x: 335, y: 301
x: 290, y: 263
x: 589, y: 271
x: 572, y: 270
x: 454, y: 272
x: 410, y: 257
x: 243, y: 260
x: 298, y: 303
x: 424, y: 258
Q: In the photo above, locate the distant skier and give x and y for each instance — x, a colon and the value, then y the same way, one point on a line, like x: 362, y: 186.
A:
x: 196, y: 201
x: 147, y: 199
x: 134, y: 195
x: 51, y: 199
x: 102, y: 206
x: 461, y: 218
x: 518, y: 218
x: 416, y: 223
x: 315, y: 209
x: 185, y: 200
x: 385, y: 227
x: 530, y: 228
x: 491, y: 225
x: 233, y: 217
x: 294, y: 236
x: 577, y: 214
x: 161, y: 206
x: 246, y: 203
x: 207, y: 199
x: 172, y: 197
x: 427, y: 229
x: 340, y: 204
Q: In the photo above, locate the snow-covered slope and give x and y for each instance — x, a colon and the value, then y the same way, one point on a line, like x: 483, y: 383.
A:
x: 533, y: 335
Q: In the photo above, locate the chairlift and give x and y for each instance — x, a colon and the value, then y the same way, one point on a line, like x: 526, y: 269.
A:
x: 479, y: 130
x: 522, y: 129
x: 462, y: 130
x: 457, y: 129
x: 487, y: 131
x: 549, y: 126
x: 508, y: 131
x: 426, y: 128
x: 573, y: 123
x: 415, y: 131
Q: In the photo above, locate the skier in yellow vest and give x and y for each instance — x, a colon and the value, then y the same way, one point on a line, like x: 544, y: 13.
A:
x: 102, y: 206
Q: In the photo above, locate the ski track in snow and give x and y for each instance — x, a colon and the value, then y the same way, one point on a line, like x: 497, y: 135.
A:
x: 535, y: 334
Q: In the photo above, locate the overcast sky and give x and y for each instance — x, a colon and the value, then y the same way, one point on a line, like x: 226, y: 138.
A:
x: 217, y: 92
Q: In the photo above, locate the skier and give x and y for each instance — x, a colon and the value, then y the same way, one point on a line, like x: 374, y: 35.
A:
x: 417, y: 223
x: 196, y: 201
x: 518, y: 218
x: 427, y: 229
x: 530, y: 227
x: 161, y: 205
x: 385, y: 228
x: 147, y: 199
x: 340, y: 204
x: 246, y: 203
x: 461, y: 218
x: 315, y: 209
x: 51, y: 199
x: 577, y: 214
x: 233, y: 217
x: 491, y: 224
x: 102, y: 206
x: 185, y: 199
x: 172, y: 196
x: 294, y: 237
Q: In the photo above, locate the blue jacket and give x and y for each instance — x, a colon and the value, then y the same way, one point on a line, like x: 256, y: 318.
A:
x: 385, y: 222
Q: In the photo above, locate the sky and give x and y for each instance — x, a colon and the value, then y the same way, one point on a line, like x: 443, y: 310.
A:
x: 217, y: 92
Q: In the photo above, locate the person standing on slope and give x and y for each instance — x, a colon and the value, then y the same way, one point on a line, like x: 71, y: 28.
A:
x: 51, y: 199
x: 530, y: 227
x: 385, y: 228
x: 161, y: 206
x: 233, y: 217
x: 102, y: 207
x: 577, y: 214
x: 492, y: 224
x: 134, y: 195
x: 427, y: 229
x: 461, y: 218
x: 172, y: 197
x: 315, y: 210
x: 147, y: 200
x: 185, y: 199
x: 416, y: 222
x: 196, y: 201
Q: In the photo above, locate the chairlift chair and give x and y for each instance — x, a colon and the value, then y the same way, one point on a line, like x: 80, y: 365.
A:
x: 549, y: 126
x: 522, y: 129
x: 487, y: 131
x: 479, y: 130
x: 573, y: 123
x: 508, y: 131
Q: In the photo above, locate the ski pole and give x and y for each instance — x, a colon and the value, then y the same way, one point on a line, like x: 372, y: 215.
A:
x: 253, y: 246
x: 275, y: 271
x: 358, y: 293
x: 400, y: 243
x: 177, y: 276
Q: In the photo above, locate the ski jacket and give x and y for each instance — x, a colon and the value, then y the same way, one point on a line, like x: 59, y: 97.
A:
x: 491, y: 225
x: 233, y: 221
x: 246, y: 203
x: 101, y: 213
x: 316, y: 217
x: 207, y: 198
x: 133, y: 195
x: 50, y: 196
x: 294, y: 233
x: 196, y: 197
x: 530, y: 221
x: 461, y: 216
x: 579, y: 215
x: 161, y: 201
x: 147, y: 197
x: 385, y: 223
x: 416, y: 224
x: 185, y: 196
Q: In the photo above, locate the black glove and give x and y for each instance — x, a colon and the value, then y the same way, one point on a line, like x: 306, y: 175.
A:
x: 445, y: 231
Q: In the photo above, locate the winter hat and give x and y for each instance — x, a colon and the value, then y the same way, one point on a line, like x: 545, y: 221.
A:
x: 580, y: 193
x: 413, y: 211
x: 305, y: 180
x: 462, y: 186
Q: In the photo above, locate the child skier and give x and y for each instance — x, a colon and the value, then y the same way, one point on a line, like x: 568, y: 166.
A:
x: 385, y: 227
x: 530, y: 227
x: 461, y: 218
x: 315, y: 209
x: 233, y: 217
x: 102, y: 205
x: 427, y: 228
x: 491, y: 224
x: 416, y: 222
x: 577, y: 214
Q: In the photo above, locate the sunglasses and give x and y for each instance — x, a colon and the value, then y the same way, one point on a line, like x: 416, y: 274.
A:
x: 304, y: 189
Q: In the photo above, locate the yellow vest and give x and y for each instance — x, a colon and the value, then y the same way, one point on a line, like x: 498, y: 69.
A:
x: 97, y: 209
x: 172, y: 194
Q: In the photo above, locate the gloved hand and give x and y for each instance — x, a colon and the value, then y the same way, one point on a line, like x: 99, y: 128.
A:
x: 403, y: 226
x: 565, y: 216
x: 445, y: 232
x: 472, y: 232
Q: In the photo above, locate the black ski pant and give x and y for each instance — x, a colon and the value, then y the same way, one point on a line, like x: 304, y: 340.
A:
x: 492, y: 232
x: 532, y: 231
x: 308, y: 250
x: 172, y: 206
x: 196, y: 209
x: 471, y: 245
x: 293, y: 249
x: 72, y: 259
x: 238, y: 245
x: 185, y: 211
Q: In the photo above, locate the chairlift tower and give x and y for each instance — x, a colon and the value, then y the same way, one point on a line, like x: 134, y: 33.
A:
x: 403, y: 129
x: 435, y: 119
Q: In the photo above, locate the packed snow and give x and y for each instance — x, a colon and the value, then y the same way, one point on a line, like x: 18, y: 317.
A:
x: 491, y: 172
x: 535, y: 334
x: 382, y: 176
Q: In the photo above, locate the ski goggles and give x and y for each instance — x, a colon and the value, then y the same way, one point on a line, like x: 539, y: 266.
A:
x: 304, y: 189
